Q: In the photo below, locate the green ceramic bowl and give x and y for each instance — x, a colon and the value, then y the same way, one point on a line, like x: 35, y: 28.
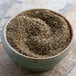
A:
x: 34, y: 64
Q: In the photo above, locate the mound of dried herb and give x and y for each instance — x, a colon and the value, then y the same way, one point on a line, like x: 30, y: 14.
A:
x: 38, y: 33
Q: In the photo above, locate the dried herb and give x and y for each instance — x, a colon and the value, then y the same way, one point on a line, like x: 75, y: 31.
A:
x: 38, y: 33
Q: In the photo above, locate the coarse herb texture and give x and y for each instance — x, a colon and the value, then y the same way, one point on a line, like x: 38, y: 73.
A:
x: 38, y: 33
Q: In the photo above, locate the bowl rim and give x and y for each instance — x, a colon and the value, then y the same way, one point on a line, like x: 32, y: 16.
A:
x: 38, y: 58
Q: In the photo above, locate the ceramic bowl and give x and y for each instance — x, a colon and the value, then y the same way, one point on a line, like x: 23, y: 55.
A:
x: 35, y: 64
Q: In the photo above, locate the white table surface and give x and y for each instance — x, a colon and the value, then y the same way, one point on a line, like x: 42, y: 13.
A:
x: 8, y: 67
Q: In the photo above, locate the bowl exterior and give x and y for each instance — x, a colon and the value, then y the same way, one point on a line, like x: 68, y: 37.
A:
x: 35, y: 65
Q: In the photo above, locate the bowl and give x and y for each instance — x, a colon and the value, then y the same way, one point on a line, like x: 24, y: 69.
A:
x: 31, y: 63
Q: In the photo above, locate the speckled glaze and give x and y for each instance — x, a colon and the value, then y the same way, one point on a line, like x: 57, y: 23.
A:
x: 34, y: 64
